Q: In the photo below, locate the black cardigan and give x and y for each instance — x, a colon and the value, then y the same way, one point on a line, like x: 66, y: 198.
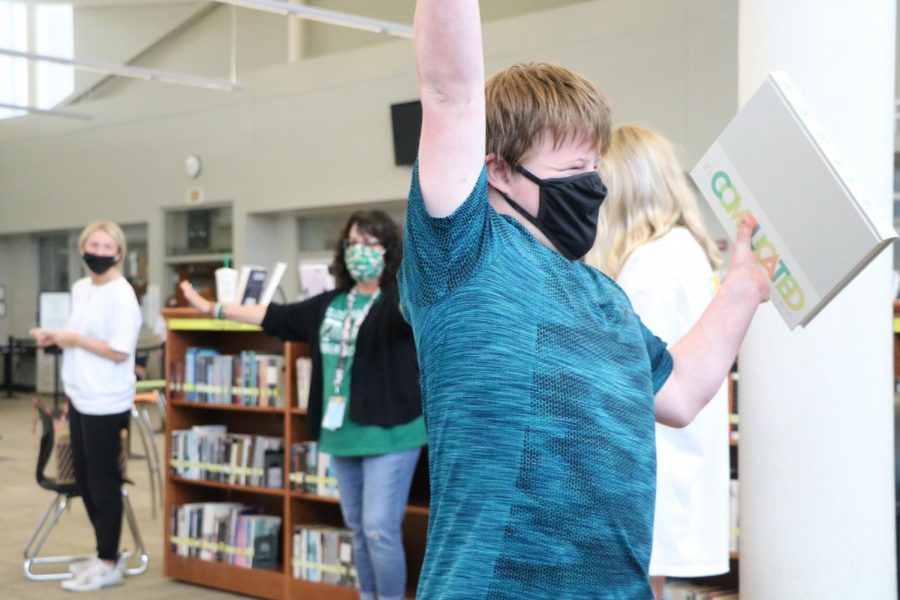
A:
x: 384, y: 378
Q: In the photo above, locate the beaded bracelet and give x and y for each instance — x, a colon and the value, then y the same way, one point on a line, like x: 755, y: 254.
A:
x: 219, y: 311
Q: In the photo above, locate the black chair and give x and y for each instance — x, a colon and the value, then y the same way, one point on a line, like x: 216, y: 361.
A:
x: 64, y: 492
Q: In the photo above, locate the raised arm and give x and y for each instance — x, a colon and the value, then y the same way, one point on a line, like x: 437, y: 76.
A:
x: 702, y: 358
x: 450, y: 69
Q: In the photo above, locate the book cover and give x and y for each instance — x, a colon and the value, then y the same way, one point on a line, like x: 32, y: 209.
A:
x: 273, y: 283
x: 265, y: 537
x: 345, y: 556
x: 330, y: 549
x: 311, y: 477
x: 256, y: 280
x: 273, y: 465
x: 303, y: 374
x: 243, y: 277
x: 816, y: 229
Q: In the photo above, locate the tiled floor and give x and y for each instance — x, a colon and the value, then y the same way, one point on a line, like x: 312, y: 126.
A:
x: 23, y: 502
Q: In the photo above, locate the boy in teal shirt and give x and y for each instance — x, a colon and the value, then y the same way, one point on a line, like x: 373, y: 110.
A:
x: 540, y: 384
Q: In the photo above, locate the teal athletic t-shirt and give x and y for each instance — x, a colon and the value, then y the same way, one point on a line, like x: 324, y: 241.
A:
x: 537, y: 387
x: 353, y: 439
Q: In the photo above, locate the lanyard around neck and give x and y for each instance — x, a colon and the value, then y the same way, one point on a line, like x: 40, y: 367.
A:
x: 349, y: 330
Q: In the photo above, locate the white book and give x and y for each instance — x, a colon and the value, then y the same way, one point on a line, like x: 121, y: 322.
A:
x: 816, y: 228
x: 273, y: 283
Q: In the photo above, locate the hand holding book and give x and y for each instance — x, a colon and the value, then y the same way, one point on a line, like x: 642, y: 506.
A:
x: 743, y: 265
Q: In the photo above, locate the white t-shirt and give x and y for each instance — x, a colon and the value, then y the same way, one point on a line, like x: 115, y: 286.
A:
x: 108, y: 312
x: 670, y: 283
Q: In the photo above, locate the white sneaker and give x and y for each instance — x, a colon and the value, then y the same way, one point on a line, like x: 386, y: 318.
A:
x: 95, y: 576
x: 77, y: 567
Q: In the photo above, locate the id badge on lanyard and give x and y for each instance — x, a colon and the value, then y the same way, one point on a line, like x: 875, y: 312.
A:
x: 337, y: 403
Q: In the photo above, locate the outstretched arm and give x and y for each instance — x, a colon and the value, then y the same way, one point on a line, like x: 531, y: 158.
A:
x: 702, y: 358
x: 450, y: 69
x: 252, y: 314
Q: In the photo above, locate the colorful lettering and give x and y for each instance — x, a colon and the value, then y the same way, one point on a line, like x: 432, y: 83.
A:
x: 766, y: 253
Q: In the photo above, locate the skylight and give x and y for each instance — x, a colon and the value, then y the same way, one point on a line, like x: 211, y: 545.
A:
x: 45, y: 29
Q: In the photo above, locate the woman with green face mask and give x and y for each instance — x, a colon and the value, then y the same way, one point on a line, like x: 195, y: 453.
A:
x: 364, y: 402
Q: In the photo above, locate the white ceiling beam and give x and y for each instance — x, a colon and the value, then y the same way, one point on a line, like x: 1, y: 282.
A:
x: 322, y: 15
x: 129, y: 71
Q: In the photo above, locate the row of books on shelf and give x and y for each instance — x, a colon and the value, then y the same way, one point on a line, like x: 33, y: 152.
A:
x: 245, y: 379
x: 677, y: 589
x: 211, y: 453
x: 312, y: 471
x: 323, y: 554
x: 303, y: 370
x: 227, y: 532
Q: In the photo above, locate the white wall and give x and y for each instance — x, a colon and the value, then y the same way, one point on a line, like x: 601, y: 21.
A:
x: 317, y: 132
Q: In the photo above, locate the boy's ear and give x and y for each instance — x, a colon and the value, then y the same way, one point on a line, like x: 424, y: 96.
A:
x: 499, y: 173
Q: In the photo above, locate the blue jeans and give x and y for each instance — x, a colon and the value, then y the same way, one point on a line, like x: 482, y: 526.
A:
x: 374, y: 493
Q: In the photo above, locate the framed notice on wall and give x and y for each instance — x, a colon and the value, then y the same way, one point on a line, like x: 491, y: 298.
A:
x: 54, y: 309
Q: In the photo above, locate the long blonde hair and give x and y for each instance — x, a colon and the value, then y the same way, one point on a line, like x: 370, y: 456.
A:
x: 649, y: 195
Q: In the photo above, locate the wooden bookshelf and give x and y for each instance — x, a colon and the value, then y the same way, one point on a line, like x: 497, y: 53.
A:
x: 188, y: 328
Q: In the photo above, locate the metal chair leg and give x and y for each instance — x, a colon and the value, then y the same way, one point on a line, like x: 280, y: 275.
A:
x: 42, y: 521
x: 161, y: 404
x: 147, y: 439
x: 155, y: 464
x: 140, y: 549
x: 39, y: 536
x: 131, y: 453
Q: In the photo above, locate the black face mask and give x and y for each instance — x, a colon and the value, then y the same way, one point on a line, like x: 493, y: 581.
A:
x: 98, y: 264
x: 567, y: 210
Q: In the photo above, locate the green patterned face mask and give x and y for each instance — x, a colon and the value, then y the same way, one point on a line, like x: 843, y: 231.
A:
x: 363, y: 262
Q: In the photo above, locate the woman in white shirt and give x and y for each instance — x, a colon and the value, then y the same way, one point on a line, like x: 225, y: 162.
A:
x: 98, y: 378
x: 651, y: 240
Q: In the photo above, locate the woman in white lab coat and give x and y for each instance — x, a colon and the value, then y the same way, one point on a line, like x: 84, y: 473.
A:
x: 652, y: 241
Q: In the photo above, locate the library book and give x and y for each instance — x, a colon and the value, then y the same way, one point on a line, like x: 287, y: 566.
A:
x: 815, y: 227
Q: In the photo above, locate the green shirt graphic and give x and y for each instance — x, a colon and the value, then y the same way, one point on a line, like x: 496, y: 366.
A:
x: 353, y: 439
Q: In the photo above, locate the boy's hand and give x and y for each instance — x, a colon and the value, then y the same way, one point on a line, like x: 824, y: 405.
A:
x: 743, y: 270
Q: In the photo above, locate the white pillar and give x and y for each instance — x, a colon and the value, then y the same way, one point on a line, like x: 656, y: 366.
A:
x: 816, y: 455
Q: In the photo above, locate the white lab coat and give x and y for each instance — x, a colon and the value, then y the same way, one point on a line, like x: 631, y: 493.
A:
x: 670, y: 283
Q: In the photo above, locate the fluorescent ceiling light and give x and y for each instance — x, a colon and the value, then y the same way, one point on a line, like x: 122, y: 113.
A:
x: 322, y: 15
x: 129, y: 71
x: 48, y: 112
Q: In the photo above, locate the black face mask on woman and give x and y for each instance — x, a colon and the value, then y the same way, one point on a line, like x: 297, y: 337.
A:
x: 98, y: 264
x: 567, y: 210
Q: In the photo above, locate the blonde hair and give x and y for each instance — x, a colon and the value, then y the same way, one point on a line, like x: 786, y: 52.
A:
x: 649, y: 195
x: 113, y: 230
x: 526, y: 101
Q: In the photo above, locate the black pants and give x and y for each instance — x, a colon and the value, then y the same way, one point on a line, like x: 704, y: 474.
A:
x: 96, y: 444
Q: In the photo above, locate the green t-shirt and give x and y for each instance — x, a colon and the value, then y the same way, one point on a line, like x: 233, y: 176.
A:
x: 354, y: 439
